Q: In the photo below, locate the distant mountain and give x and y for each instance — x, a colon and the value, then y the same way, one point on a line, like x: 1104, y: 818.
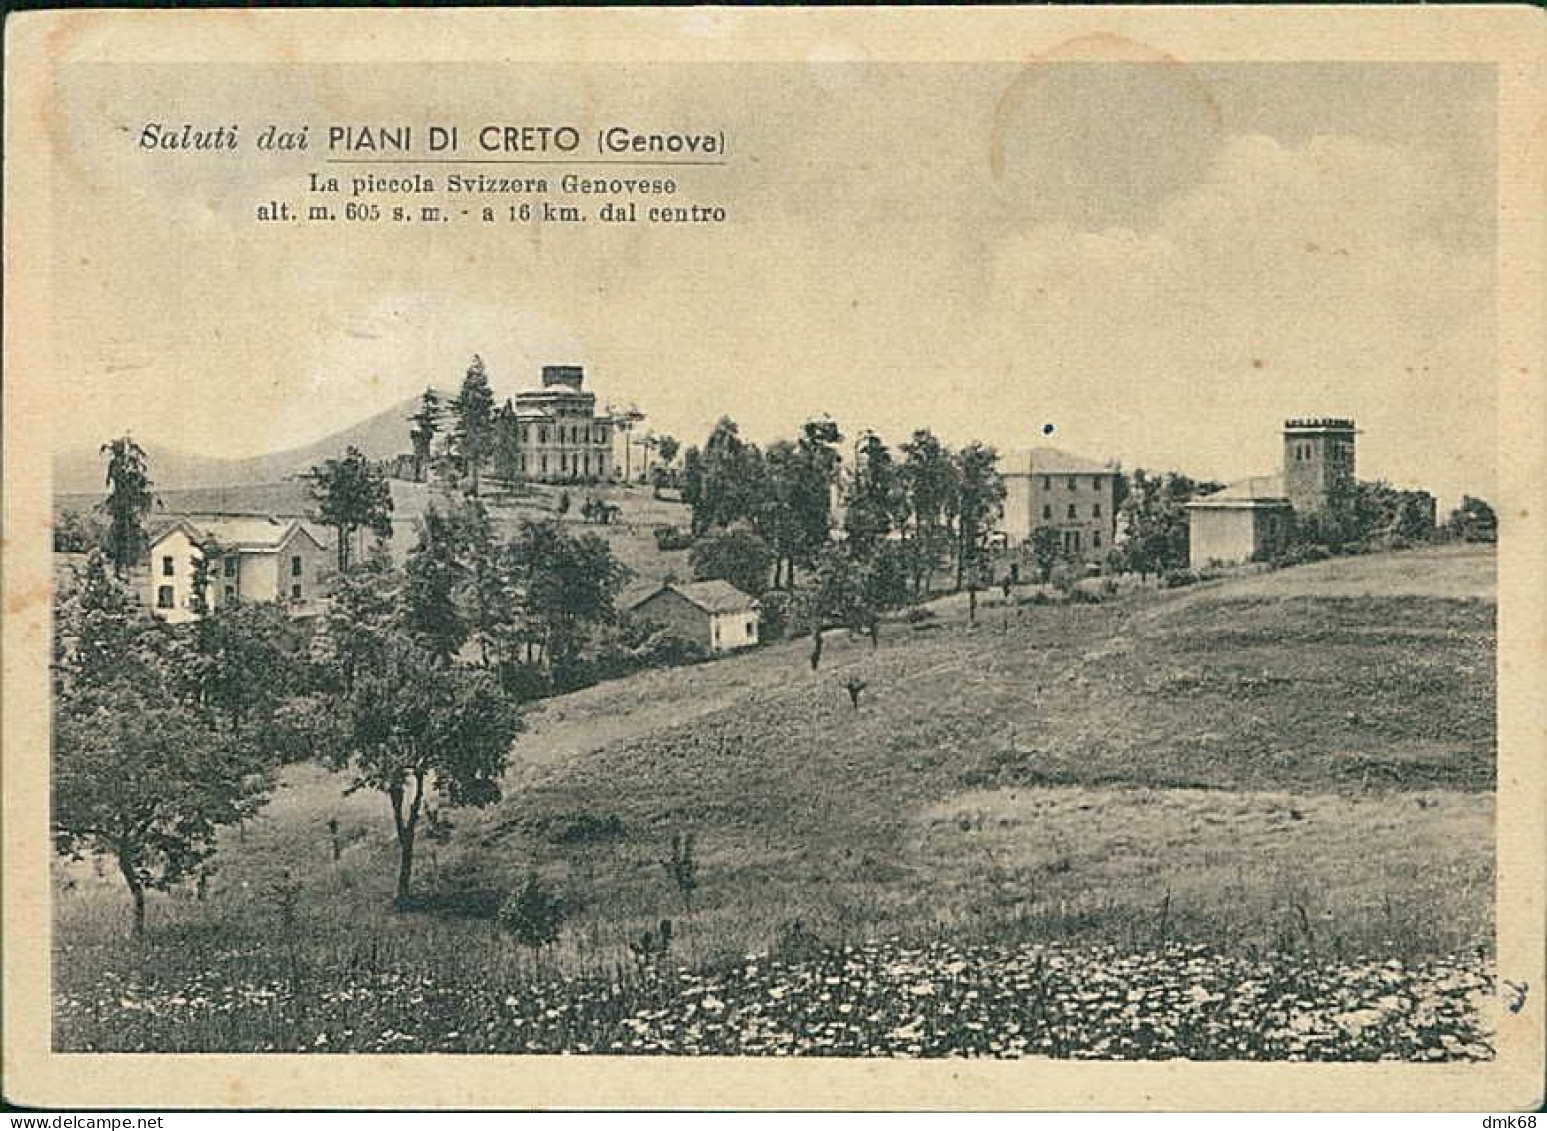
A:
x: 81, y: 470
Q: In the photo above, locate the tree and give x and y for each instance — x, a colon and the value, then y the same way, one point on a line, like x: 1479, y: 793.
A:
x: 666, y: 449
x: 877, y: 501
x: 411, y: 725
x: 351, y: 495
x: 435, y: 574
x: 737, y: 554
x: 75, y: 533
x: 426, y: 423
x: 929, y: 485
x: 979, y: 504
x: 843, y: 592
x: 128, y: 502
x: 474, y: 411
x: 141, y: 771
x: 568, y: 584
x: 1474, y: 521
x: 506, y: 455
x: 693, y: 482
x: 732, y: 480
x: 625, y: 420
x: 249, y: 657
x: 1047, y: 550
x: 1152, y: 521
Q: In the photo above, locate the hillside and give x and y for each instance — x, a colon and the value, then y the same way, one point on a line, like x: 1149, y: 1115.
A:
x: 80, y: 470
x: 1296, y: 764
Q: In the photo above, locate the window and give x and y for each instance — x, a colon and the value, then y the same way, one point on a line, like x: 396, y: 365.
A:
x: 1095, y: 482
x: 750, y: 630
x: 164, y: 597
x: 1095, y: 539
x: 1095, y: 510
x: 1047, y: 510
x: 542, y: 435
x: 543, y: 460
x: 295, y: 565
x: 1073, y: 483
x: 1047, y: 483
x: 1072, y: 512
x: 230, y: 592
x: 295, y: 592
x: 167, y: 569
x: 230, y: 566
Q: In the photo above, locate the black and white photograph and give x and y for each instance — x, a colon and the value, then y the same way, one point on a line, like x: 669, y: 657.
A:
x: 837, y: 557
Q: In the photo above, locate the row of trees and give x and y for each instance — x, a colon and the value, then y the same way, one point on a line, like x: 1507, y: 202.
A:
x: 763, y: 519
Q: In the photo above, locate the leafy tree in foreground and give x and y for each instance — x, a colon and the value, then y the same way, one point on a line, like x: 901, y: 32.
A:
x: 141, y: 771
x: 128, y: 502
x: 351, y: 495
x: 411, y: 726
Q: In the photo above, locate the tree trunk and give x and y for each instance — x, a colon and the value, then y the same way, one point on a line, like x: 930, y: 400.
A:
x: 343, y: 548
x: 407, y: 826
x: 136, y: 890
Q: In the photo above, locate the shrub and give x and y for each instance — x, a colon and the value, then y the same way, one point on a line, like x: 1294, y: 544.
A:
x: 666, y: 649
x: 1063, y: 577
x: 533, y: 915
x: 778, y: 611
x: 918, y: 613
x: 1177, y: 578
x: 672, y: 538
x: 523, y: 683
x: 583, y: 828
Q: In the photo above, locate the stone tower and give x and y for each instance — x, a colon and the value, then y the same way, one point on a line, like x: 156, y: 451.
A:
x: 1318, y: 461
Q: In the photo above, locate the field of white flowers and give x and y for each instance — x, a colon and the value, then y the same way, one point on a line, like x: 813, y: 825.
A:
x: 881, y: 999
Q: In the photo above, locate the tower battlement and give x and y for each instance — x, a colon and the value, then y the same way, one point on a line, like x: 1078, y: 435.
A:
x: 1318, y: 460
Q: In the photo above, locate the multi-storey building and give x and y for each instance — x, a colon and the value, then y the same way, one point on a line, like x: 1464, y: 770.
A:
x: 561, y: 439
x: 1073, y: 495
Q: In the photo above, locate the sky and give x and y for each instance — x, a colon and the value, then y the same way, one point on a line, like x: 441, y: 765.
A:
x: 1161, y: 261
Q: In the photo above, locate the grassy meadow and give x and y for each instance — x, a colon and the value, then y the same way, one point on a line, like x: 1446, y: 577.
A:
x: 1247, y: 818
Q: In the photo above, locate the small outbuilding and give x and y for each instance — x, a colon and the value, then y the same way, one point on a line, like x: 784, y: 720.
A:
x: 1249, y: 520
x: 714, y: 614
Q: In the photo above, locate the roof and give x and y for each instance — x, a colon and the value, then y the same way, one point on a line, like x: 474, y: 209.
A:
x: 1258, y: 491
x: 251, y: 533
x: 710, y: 596
x: 1051, y: 461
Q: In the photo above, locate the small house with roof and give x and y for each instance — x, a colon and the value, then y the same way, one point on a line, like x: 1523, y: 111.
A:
x: 1071, y: 494
x: 713, y: 614
x: 248, y: 558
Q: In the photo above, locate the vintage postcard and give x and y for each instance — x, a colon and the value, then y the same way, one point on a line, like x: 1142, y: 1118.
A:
x: 976, y: 558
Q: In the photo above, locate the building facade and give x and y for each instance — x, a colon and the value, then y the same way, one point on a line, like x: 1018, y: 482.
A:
x: 713, y: 614
x: 560, y: 437
x: 247, y: 559
x: 1072, y: 495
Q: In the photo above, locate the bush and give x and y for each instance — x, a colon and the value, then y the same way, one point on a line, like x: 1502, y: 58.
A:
x: 672, y: 538
x: 666, y: 649
x: 1177, y: 578
x: 918, y: 613
x: 1063, y: 577
x: 580, y: 828
x: 533, y: 915
x: 778, y: 610
x: 523, y: 683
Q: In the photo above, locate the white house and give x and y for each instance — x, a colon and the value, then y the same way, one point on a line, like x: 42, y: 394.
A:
x: 249, y: 558
x: 714, y: 614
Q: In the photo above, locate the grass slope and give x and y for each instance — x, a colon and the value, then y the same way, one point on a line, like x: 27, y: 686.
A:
x: 1302, y: 761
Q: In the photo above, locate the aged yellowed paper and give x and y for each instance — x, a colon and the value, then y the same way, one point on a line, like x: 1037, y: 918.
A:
x: 873, y: 559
